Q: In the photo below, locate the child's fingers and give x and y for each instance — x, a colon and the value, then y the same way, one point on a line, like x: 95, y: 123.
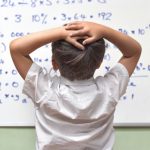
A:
x: 76, y: 44
x: 74, y: 23
x: 88, y: 40
x: 80, y: 37
x: 73, y: 27
x: 78, y: 33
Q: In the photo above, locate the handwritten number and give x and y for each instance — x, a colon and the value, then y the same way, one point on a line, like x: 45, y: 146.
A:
x: 105, y: 15
x: 33, y: 3
x: 6, y: 3
x: 64, y: 17
x: 18, y: 18
x: 11, y: 3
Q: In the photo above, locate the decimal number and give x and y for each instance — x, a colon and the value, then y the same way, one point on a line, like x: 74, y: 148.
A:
x: 107, y: 16
x: 76, y: 16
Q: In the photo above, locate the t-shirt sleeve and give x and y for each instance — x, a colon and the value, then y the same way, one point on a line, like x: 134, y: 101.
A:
x: 117, y: 80
x: 36, y: 84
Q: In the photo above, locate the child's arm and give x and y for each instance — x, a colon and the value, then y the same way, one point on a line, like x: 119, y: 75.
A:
x: 21, y: 48
x: 130, y: 48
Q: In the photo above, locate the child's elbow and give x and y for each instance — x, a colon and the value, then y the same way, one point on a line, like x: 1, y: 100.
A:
x: 13, y: 46
x: 139, y: 49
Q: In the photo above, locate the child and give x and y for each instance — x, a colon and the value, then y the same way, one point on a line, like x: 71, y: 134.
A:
x: 75, y: 111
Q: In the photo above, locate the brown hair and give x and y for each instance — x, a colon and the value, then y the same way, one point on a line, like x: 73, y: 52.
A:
x: 76, y: 64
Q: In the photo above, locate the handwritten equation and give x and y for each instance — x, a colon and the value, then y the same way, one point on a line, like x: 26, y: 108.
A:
x: 47, y: 3
x: 43, y: 18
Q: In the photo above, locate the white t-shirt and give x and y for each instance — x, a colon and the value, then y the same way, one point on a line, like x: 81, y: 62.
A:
x: 75, y: 115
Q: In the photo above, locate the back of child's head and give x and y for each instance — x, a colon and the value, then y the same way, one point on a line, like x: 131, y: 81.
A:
x: 77, y: 64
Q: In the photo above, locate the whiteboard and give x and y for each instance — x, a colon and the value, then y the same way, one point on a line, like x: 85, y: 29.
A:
x: 21, y: 17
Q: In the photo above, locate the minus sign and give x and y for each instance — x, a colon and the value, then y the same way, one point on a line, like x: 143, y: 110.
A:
x: 22, y: 3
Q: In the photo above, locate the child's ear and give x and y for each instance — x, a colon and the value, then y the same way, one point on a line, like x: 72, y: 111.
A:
x: 54, y: 63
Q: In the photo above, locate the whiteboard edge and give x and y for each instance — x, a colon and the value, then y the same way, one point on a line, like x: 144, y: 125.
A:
x: 23, y: 124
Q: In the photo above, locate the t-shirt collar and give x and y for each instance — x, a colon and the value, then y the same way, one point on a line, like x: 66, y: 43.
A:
x: 66, y: 81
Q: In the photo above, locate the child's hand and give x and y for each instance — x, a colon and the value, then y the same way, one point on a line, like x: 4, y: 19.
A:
x: 92, y: 31
x: 74, y: 41
x: 66, y: 35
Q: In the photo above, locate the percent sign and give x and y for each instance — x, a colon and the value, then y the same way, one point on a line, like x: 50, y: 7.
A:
x: 42, y: 18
